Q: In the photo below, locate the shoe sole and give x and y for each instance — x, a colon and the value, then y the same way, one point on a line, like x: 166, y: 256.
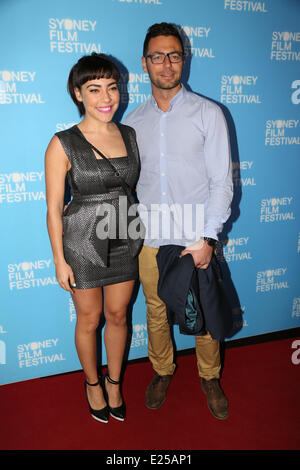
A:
x: 155, y: 407
x: 115, y: 417
x: 98, y: 419
x: 216, y: 416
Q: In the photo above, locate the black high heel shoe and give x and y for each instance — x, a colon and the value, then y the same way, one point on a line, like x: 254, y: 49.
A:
x: 118, y: 412
x: 100, y: 415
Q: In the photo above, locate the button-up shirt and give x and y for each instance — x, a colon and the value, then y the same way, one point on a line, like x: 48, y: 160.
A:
x: 185, y: 185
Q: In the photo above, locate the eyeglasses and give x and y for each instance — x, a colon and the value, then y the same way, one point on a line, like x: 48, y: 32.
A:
x: 160, y: 57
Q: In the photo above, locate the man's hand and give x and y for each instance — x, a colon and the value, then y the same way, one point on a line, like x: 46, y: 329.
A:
x: 201, y: 253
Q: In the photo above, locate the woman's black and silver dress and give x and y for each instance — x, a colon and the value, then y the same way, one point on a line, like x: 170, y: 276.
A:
x: 98, y: 261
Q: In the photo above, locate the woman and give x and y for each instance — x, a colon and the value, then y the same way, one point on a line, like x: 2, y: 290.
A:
x: 95, y: 266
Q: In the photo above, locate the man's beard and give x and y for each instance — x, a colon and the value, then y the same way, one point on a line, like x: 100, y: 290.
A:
x: 165, y: 86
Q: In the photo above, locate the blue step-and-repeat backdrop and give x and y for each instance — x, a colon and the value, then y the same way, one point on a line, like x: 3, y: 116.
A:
x: 245, y: 55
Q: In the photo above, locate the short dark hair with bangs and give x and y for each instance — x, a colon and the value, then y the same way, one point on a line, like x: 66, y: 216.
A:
x: 90, y: 67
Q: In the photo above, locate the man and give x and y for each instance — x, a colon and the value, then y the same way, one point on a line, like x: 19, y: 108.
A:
x: 185, y: 159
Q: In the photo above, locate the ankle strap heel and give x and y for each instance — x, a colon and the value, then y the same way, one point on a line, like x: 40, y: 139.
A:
x: 118, y: 412
x: 93, y: 385
x: 102, y: 414
x: 111, y: 381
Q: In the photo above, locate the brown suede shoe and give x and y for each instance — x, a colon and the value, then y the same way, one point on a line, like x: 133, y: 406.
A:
x: 216, y: 401
x: 157, y: 390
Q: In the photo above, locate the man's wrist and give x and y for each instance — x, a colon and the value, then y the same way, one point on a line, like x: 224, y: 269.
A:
x: 210, y: 241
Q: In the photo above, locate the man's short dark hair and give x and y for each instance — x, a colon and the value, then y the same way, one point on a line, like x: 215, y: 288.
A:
x: 161, y: 29
x: 90, y: 67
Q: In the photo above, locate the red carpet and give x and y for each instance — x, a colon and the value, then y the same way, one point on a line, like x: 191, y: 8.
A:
x: 261, y: 383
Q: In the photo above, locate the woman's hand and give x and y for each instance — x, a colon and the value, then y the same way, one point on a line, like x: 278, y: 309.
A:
x: 65, y: 276
x: 201, y: 253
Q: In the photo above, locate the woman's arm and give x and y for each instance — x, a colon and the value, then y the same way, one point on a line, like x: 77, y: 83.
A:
x: 56, y: 167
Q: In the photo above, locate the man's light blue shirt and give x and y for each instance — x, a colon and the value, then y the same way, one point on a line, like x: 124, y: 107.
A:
x: 185, y: 165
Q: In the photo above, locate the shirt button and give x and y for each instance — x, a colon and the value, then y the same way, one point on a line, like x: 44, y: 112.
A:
x: 163, y: 194
x: 162, y: 134
x: 163, y: 174
x: 162, y: 154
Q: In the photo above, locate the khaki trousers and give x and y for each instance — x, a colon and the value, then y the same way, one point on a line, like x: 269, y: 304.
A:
x: 160, y: 347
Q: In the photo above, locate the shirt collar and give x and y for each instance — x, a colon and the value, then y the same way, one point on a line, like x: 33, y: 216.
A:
x: 176, y: 99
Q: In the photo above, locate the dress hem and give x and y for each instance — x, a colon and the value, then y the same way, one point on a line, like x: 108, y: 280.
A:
x: 93, y: 284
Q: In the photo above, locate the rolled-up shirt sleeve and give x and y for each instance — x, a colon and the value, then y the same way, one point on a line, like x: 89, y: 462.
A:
x: 219, y: 170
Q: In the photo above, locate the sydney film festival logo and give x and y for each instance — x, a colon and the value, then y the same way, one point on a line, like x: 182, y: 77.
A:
x: 272, y: 280
x: 197, y: 41
x: 235, y: 249
x: 20, y: 187
x: 240, y: 173
x: 285, y: 46
x: 277, y: 209
x: 73, y: 36
x: 134, y: 88
x: 18, y: 87
x: 139, y: 336
x: 245, y: 6
x: 282, y: 132
x: 239, y: 89
x: 39, y: 353
x: 31, y: 274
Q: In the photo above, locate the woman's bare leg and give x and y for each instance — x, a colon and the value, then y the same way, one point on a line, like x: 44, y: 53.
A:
x: 88, y: 305
x: 116, y: 300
